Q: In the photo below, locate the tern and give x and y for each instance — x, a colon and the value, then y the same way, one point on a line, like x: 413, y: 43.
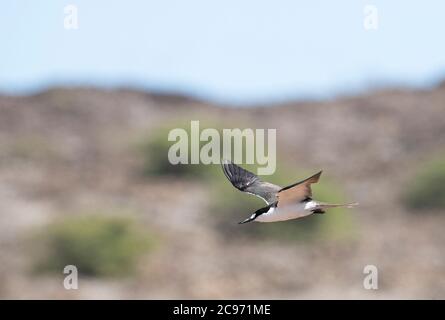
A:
x: 291, y: 202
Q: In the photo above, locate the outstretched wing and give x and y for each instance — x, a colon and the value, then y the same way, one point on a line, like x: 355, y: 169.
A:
x: 297, y: 192
x: 248, y: 182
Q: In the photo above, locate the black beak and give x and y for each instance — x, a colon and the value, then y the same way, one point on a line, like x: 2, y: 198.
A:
x: 247, y: 220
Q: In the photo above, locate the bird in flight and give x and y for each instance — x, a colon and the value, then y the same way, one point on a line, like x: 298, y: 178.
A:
x: 291, y: 202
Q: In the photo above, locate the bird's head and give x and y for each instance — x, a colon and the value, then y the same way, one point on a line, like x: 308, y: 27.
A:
x: 251, y: 218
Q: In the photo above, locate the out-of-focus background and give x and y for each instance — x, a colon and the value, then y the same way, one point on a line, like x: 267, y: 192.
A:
x: 354, y: 89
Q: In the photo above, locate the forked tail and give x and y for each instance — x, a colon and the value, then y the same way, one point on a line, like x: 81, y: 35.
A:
x: 321, y: 205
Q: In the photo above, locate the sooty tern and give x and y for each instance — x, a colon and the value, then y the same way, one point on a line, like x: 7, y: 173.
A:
x: 291, y: 202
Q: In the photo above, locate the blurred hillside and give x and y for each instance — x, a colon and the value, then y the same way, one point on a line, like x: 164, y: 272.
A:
x: 68, y: 153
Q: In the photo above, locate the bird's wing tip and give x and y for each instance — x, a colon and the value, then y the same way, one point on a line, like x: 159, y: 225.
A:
x: 225, y: 161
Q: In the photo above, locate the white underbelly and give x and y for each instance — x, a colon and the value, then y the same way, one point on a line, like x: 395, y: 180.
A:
x: 296, y: 211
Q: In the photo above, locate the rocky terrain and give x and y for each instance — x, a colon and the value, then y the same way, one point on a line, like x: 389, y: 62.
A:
x: 65, y: 151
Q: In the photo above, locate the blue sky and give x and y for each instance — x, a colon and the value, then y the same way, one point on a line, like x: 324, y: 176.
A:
x: 239, y: 51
